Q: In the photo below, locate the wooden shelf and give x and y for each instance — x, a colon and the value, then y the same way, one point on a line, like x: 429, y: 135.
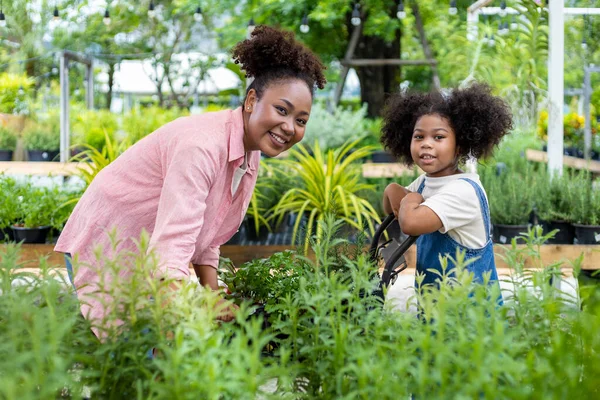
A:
x: 369, y: 170
x: 568, y: 161
x: 39, y: 168
x: 30, y: 254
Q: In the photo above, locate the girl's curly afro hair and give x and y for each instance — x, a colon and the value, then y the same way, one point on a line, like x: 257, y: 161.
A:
x: 272, y: 55
x: 478, y: 118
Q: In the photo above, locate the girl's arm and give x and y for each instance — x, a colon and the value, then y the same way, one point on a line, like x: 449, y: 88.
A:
x: 416, y: 220
x: 392, y: 196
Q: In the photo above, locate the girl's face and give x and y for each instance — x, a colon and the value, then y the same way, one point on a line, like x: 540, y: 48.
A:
x: 277, y: 120
x: 433, y: 146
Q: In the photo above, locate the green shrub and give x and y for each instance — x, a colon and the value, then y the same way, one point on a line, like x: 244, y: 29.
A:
x: 585, y: 200
x: 14, y: 92
x: 555, y: 197
x: 8, y: 201
x: 38, y: 137
x: 327, y: 338
x: 141, y: 122
x: 91, y: 127
x: 332, y: 130
x: 8, y: 139
x: 510, y: 195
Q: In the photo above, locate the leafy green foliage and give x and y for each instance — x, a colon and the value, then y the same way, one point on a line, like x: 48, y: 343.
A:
x: 141, y: 122
x: 511, y: 196
x: 93, y: 128
x: 333, y: 341
x: 334, y: 129
x: 330, y: 185
x: 39, y: 137
x: 8, y: 139
x: 13, y: 93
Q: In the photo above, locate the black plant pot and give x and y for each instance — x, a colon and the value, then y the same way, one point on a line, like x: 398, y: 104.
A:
x: 383, y: 157
x: 42, y: 155
x: 6, y: 234
x: 6, y: 155
x: 504, y: 234
x: 31, y: 235
x: 587, y: 234
x: 565, y: 235
x: 251, y: 235
x: 237, y: 237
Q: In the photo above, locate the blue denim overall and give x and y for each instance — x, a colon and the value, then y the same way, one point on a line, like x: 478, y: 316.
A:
x: 430, y: 246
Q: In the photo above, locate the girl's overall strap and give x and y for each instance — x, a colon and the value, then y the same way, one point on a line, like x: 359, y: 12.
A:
x: 421, y: 187
x: 485, y: 212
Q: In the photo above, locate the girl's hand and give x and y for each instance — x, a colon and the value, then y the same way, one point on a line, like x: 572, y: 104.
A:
x: 412, y: 198
x: 415, y: 219
x: 392, y: 197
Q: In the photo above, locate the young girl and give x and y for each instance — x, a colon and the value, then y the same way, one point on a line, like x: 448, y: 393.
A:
x: 189, y: 183
x: 445, y: 206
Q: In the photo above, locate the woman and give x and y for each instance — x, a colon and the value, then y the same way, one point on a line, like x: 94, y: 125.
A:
x: 189, y: 183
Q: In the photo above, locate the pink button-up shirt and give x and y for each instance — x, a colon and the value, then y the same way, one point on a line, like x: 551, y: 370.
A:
x: 176, y: 185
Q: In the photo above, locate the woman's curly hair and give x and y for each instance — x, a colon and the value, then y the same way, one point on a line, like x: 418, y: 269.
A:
x: 479, y: 120
x: 272, y: 55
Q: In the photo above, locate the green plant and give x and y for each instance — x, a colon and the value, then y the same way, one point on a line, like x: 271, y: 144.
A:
x: 37, y: 137
x: 333, y: 129
x: 36, y: 206
x: 554, y: 199
x: 92, y: 128
x: 330, y: 185
x: 585, y: 200
x: 333, y: 341
x: 8, y: 201
x: 510, y: 195
x: 8, y: 139
x: 140, y: 122
x: 13, y: 93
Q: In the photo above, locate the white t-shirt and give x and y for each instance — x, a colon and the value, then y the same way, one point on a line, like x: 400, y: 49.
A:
x: 456, y: 203
x: 238, y: 174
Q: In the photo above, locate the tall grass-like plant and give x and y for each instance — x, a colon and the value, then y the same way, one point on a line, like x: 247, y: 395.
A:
x: 331, y: 182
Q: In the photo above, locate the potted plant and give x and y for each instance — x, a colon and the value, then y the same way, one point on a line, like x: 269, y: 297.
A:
x: 328, y: 186
x: 8, y: 142
x: 554, y: 206
x: 35, y: 214
x: 586, y: 211
x: 42, y: 144
x: 510, y: 197
x: 8, y: 207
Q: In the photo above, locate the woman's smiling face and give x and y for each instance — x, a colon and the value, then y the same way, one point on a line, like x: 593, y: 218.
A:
x: 276, y: 121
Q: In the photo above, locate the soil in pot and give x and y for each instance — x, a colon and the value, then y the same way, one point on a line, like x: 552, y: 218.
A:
x: 42, y: 155
x: 6, y: 155
x: 587, y: 234
x: 31, y: 235
x: 504, y: 234
x: 565, y: 235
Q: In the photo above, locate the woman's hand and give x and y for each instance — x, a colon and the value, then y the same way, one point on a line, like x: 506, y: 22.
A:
x: 226, y: 310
